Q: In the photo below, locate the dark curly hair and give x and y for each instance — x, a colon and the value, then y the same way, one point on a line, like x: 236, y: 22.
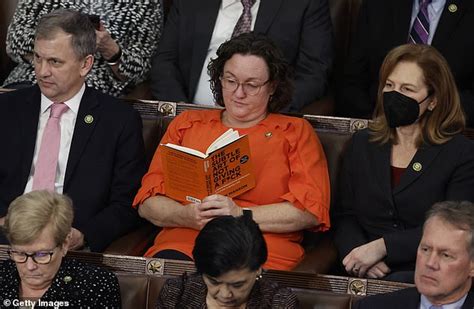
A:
x: 261, y: 46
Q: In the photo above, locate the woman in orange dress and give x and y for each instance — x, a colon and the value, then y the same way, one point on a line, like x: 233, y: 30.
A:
x: 250, y: 79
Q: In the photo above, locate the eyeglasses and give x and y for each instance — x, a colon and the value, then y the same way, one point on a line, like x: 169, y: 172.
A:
x: 39, y: 257
x: 231, y: 85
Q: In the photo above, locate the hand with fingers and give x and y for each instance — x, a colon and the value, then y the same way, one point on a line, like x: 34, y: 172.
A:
x: 378, y: 271
x: 106, y: 45
x: 198, y: 221
x: 362, y: 258
x: 218, y: 205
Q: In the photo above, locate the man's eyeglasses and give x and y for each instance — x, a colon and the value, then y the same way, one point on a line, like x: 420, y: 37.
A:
x: 39, y: 257
x: 250, y: 88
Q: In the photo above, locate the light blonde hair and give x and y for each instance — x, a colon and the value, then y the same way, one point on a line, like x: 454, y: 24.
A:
x: 446, y: 119
x: 30, y: 213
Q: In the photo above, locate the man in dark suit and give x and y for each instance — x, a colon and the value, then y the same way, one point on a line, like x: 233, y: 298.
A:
x: 383, y: 25
x: 194, y: 30
x: 444, y: 263
x: 100, y: 159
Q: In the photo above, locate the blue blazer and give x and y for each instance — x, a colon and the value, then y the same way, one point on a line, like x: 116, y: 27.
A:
x: 104, y: 168
x: 369, y: 208
x: 302, y: 29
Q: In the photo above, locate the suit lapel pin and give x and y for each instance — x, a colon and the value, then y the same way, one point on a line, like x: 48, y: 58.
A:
x: 268, y: 134
x: 452, y: 8
x: 417, y: 166
x: 67, y: 279
x: 88, y: 119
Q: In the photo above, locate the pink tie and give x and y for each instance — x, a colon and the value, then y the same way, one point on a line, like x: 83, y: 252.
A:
x: 46, y: 165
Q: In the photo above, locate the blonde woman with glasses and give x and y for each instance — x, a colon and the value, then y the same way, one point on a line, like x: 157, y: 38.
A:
x: 38, y: 226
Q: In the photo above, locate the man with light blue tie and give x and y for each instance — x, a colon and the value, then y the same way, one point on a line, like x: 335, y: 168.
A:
x: 444, y: 263
x: 383, y: 25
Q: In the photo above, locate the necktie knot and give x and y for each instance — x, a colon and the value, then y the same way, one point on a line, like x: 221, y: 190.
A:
x: 57, y: 109
x: 425, y: 3
x: 248, y: 4
x: 244, y: 23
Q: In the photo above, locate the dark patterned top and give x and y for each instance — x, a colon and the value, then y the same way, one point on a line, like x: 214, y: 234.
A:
x: 135, y: 26
x: 81, y: 285
x: 190, y: 292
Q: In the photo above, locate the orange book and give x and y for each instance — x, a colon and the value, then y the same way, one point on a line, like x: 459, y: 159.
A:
x: 226, y: 168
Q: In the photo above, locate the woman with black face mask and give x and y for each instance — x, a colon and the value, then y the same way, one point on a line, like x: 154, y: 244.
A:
x: 412, y: 155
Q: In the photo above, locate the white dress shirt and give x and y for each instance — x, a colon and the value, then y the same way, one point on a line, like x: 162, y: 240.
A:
x: 426, y: 304
x: 229, y: 14
x: 67, y: 123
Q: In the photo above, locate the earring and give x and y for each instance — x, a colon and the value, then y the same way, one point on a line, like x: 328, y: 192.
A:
x: 259, y: 276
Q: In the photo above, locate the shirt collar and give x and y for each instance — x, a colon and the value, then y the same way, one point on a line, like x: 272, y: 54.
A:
x: 425, y: 303
x: 437, y: 5
x: 226, y: 3
x: 73, y: 103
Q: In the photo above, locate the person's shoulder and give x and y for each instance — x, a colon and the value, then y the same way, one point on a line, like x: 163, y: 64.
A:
x: 88, y: 285
x: 20, y: 95
x: 459, y: 146
x: 89, y: 273
x: 186, y: 289
x: 200, y: 114
x: 188, y: 117
x: 7, y: 269
x: 287, y: 123
x: 460, y: 140
x: 389, y: 300
x: 276, y: 295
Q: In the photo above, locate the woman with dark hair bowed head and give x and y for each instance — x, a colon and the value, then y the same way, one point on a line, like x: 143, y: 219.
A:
x: 229, y: 253
x: 412, y: 155
x: 250, y: 79
x: 38, y: 226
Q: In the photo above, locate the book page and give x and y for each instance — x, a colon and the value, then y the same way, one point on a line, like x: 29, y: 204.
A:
x: 186, y: 150
x: 226, y: 138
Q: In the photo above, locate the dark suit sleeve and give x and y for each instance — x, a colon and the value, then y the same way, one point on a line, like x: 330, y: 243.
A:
x: 353, y: 98
x: 118, y: 216
x: 462, y: 181
x: 402, y: 246
x: 167, y: 82
x: 349, y: 234
x: 314, y: 57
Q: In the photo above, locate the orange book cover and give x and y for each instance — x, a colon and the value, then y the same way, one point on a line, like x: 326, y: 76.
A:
x: 226, y: 168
